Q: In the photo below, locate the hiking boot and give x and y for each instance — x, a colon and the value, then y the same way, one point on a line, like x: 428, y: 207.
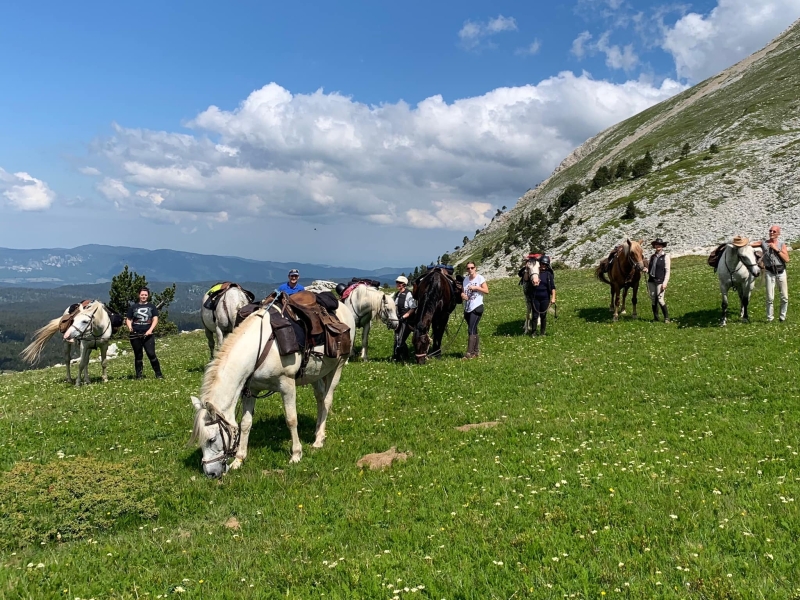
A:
x: 665, y: 310
x: 138, y: 368
x: 472, y: 343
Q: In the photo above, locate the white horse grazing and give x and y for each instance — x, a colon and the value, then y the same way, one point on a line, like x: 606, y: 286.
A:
x: 738, y: 268
x: 368, y: 304
x: 221, y: 321
x: 91, y: 327
x: 530, y: 280
x: 215, y: 428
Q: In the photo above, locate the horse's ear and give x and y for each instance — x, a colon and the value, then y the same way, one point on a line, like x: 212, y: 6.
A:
x: 629, y: 241
x: 196, y: 403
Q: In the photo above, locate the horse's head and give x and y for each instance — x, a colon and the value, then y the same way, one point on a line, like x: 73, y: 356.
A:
x: 83, y: 323
x: 635, y: 254
x: 388, y: 311
x: 532, y: 270
x: 748, y: 258
x: 217, y: 438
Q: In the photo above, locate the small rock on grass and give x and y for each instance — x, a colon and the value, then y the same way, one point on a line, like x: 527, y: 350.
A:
x: 381, y: 460
x: 484, y: 425
x: 233, y: 523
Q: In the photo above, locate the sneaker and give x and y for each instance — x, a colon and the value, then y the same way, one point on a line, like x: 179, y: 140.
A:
x: 769, y: 319
x: 782, y: 319
x: 667, y: 320
x: 159, y: 376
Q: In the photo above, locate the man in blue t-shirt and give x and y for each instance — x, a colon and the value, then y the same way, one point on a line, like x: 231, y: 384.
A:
x: 291, y: 286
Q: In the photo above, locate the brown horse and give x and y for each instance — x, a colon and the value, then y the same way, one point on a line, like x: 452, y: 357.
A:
x: 624, y: 274
x: 436, y: 297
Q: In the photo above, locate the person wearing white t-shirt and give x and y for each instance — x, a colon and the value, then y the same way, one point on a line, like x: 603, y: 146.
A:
x: 474, y: 289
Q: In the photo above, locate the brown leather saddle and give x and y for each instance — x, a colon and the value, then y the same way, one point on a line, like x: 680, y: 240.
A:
x: 72, y: 312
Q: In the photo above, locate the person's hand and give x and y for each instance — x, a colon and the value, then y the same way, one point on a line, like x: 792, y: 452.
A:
x: 663, y: 288
x: 464, y: 296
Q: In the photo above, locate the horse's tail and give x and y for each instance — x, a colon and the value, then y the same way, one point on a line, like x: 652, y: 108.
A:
x: 33, y: 352
x: 600, y: 272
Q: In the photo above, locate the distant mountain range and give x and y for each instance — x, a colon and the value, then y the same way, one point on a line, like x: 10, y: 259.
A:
x: 54, y: 267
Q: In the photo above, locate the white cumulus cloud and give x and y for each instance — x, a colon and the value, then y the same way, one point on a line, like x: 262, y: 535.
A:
x: 473, y: 33
x: 703, y: 45
x: 530, y: 49
x: 617, y: 57
x: 24, y: 192
x: 324, y: 156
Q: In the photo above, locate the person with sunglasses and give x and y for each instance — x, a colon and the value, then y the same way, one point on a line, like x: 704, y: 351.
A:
x: 292, y: 286
x: 776, y: 255
x: 474, y: 290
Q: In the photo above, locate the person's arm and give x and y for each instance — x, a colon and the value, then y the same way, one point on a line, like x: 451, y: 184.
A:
x: 129, y: 319
x: 755, y: 244
x: 552, y: 290
x: 152, y: 326
x: 483, y: 287
x: 667, y: 265
x: 784, y: 253
x: 129, y: 324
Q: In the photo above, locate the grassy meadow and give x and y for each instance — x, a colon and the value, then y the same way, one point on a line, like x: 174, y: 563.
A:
x: 632, y: 460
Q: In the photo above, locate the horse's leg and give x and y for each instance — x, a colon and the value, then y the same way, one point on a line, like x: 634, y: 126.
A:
x: 103, y: 363
x: 528, y: 312
x: 288, y: 392
x: 744, y: 299
x: 211, y: 341
x: 611, y: 305
x: 438, y: 333
x: 624, y: 300
x: 323, y: 391
x: 220, y: 335
x: 365, y: 340
x: 68, y: 357
x: 83, y: 365
x: 615, y: 302
x: 248, y: 406
x: 724, y: 291
x: 635, y: 298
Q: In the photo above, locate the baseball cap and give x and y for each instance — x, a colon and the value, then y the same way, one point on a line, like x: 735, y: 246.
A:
x: 294, y: 272
x: 402, y: 279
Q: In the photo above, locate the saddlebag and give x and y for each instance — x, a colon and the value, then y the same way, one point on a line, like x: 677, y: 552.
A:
x: 285, y: 335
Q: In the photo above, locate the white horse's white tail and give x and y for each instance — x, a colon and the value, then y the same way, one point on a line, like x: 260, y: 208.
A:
x: 33, y: 352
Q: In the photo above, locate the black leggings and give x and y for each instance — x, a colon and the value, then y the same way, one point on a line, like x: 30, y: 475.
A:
x: 472, y: 319
x: 540, y: 306
x: 148, y: 344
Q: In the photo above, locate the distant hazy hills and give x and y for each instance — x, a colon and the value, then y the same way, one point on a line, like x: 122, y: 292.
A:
x: 53, y: 267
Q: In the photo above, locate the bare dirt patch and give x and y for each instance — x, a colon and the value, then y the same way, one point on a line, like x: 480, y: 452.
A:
x: 484, y: 425
x: 381, y: 460
x: 233, y: 523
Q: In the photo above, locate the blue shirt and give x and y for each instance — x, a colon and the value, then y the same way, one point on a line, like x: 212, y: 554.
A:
x: 290, y: 290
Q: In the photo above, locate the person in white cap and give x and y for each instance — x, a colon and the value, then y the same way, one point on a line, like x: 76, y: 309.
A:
x: 292, y: 286
x: 658, y: 272
x: 406, y: 305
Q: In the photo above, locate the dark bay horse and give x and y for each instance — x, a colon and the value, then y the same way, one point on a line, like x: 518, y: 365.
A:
x: 624, y: 274
x: 436, y: 297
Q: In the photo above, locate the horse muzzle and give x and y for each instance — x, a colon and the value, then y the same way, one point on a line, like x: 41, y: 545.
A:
x: 215, y: 470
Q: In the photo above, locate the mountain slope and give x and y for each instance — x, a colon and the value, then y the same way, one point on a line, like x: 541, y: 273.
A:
x: 740, y: 174
x: 51, y: 267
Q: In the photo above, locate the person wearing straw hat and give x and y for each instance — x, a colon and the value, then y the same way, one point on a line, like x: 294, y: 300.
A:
x: 406, y: 305
x: 775, y: 257
x: 292, y: 286
x: 658, y: 277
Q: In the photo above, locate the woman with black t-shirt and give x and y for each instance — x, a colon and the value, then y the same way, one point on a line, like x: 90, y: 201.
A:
x: 142, y: 319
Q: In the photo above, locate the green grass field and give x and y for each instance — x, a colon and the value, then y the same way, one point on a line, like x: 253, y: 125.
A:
x: 632, y: 460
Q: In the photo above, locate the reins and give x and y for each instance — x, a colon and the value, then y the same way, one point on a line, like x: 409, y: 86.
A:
x: 230, y: 446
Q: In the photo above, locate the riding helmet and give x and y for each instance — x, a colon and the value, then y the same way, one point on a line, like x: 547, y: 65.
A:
x: 340, y: 288
x: 545, y: 260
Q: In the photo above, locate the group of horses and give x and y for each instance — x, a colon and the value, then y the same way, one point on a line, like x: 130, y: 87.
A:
x: 738, y: 269
x: 245, y: 364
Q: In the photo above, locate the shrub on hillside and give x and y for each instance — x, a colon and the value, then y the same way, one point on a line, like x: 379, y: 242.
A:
x: 630, y: 211
x: 622, y: 170
x: 602, y: 178
x: 643, y: 166
x: 570, y: 196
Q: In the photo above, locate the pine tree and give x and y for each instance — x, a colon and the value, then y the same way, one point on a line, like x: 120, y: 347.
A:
x: 623, y: 170
x: 685, y: 150
x: 630, y: 211
x: 125, y: 290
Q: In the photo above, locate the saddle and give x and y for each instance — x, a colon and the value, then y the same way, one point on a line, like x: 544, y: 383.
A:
x: 72, y: 312
x: 716, y: 256
x: 216, y: 291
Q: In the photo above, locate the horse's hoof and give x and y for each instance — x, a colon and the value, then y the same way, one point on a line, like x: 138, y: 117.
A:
x: 296, y: 458
x: 616, y: 318
x: 318, y: 444
x: 745, y: 320
x: 723, y: 324
x: 105, y: 379
x: 235, y: 464
x: 624, y: 312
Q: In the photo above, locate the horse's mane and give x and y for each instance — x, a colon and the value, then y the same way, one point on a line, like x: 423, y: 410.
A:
x: 198, y: 428
x: 212, y: 370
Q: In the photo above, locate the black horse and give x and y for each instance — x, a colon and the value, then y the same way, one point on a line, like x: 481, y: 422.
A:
x: 437, y: 296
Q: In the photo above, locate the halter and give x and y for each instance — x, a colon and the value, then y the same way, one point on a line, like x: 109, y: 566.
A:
x: 89, y: 327
x: 735, y: 268
x: 230, y: 446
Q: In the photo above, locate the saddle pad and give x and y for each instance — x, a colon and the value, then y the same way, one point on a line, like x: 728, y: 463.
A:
x: 328, y: 301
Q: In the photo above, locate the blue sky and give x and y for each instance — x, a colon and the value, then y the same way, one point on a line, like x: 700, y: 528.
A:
x: 363, y: 133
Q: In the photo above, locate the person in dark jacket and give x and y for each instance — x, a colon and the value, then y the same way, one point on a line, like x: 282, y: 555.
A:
x: 142, y: 319
x: 658, y: 277
x: 544, y: 294
x: 406, y: 305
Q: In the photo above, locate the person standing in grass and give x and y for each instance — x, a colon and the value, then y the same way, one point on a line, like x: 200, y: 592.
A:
x: 475, y: 288
x: 658, y: 270
x: 776, y: 255
x: 406, y: 305
x: 544, y: 294
x: 142, y: 319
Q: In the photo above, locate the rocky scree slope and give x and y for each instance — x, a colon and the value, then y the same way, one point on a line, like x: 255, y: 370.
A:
x: 738, y: 174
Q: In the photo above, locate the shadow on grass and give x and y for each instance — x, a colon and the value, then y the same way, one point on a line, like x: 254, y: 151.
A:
x: 596, y: 314
x: 710, y: 317
x: 510, y: 328
x: 197, y: 369
x: 272, y: 433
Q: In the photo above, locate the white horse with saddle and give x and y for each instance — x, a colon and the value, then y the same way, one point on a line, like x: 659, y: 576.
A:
x: 249, y: 362
x: 737, y: 268
x: 368, y: 304
x: 88, y: 323
x: 220, y: 321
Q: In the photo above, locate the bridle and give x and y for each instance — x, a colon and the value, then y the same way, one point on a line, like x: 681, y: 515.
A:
x: 230, y: 446
x: 735, y: 268
x: 89, y: 327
